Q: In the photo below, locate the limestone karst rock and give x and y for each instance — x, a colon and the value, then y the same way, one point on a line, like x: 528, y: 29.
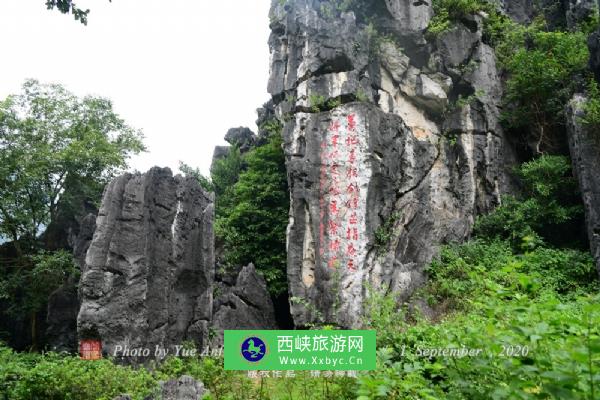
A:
x: 594, y: 46
x: 241, y: 137
x: 63, y: 303
x: 584, y: 143
x: 379, y: 175
x: 149, y: 270
x: 244, y: 305
x: 184, y: 388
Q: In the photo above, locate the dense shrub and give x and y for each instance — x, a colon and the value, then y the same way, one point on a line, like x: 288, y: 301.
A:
x: 547, y: 209
x: 542, y: 79
x: 55, y: 377
x: 592, y: 105
x: 224, y: 175
x: 555, y: 353
x: 447, y: 12
x: 465, y: 272
x: 25, y: 376
x: 252, y: 219
x: 534, y: 316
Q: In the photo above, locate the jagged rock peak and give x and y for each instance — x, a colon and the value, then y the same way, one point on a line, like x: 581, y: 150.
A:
x: 149, y: 270
x: 241, y: 137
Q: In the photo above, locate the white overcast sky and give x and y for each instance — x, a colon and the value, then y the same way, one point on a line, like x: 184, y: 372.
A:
x: 183, y: 71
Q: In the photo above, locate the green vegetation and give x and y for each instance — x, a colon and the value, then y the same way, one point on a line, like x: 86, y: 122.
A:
x: 252, y: 205
x: 592, y: 105
x: 58, y: 153
x: 317, y: 102
x: 57, y: 377
x: 455, y: 275
x: 531, y: 347
x: 252, y: 209
x: 26, y: 290
x: 224, y: 175
x: 69, y: 7
x: 542, y: 82
x: 57, y: 150
x: 532, y: 310
x: 384, y: 233
x: 530, y: 315
x: 446, y: 12
x: 546, y: 211
x: 544, y: 68
x: 66, y: 7
x: 361, y: 96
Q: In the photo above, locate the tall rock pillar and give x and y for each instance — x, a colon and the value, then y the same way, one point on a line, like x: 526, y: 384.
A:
x: 392, y: 145
x: 149, y: 271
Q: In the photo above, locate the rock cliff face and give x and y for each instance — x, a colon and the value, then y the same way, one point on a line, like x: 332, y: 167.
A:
x: 244, y: 305
x: 149, y: 271
x: 584, y: 144
x: 393, y: 147
x: 63, y: 304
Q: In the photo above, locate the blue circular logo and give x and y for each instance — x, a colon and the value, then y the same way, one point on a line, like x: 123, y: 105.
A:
x: 253, y: 349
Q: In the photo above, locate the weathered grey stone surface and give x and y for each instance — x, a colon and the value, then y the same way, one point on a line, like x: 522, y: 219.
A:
x: 579, y: 11
x: 411, y: 15
x: 63, y: 306
x: 149, y: 270
x: 242, y: 137
x: 245, y: 305
x: 584, y: 143
x: 456, y: 45
x: 594, y: 46
x: 521, y: 11
x: 63, y: 303
x: 184, y: 388
x: 219, y: 153
x: 393, y: 150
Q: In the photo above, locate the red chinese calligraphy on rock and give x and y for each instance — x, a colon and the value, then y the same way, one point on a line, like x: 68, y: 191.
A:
x: 333, y: 228
x: 352, y: 172
x: 340, y: 195
x: 350, y: 250
x: 351, y: 265
x: 335, y: 126
x: 351, y: 122
x: 90, y: 349
x: 352, y: 233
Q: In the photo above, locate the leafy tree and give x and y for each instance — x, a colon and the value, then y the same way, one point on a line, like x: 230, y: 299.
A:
x: 27, y: 289
x: 68, y: 6
x: 56, y: 151
x: 252, y: 222
x: 542, y: 79
x: 547, y: 208
x: 224, y: 174
x: 54, y: 147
